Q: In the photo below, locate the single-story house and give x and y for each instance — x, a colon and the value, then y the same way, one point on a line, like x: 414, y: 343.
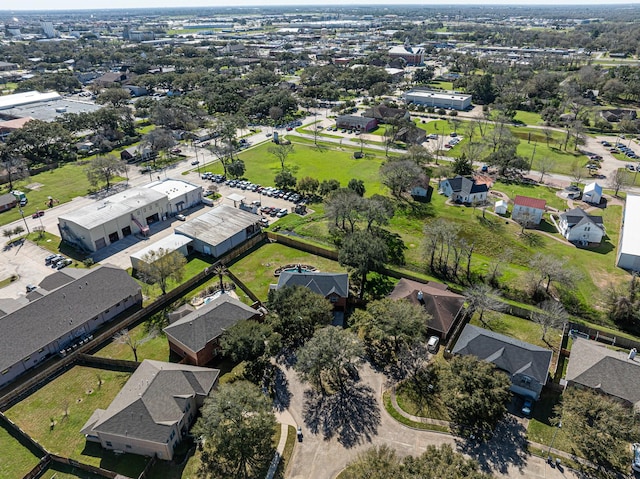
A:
x: 577, y: 225
x: 629, y: 248
x: 422, y: 190
x: 529, y: 210
x: 196, y: 336
x: 500, y: 207
x: 8, y: 201
x: 463, y: 190
x: 444, y: 306
x: 384, y: 113
x: 56, y: 321
x: 152, y: 413
x: 527, y: 364
x: 134, y: 154
x: 592, y: 193
x: 615, y: 373
x: 354, y: 122
x: 333, y: 286
x: 618, y: 114
x: 220, y: 229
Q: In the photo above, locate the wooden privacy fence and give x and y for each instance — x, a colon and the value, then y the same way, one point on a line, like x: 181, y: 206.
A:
x: 603, y: 336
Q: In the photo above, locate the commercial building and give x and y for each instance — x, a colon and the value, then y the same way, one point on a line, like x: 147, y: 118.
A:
x: 353, y: 122
x: 41, y: 106
x: 70, y: 313
x: 130, y: 212
x: 629, y: 248
x: 411, y: 55
x: 220, y: 229
x: 439, y: 99
x: 154, y: 410
x: 169, y: 243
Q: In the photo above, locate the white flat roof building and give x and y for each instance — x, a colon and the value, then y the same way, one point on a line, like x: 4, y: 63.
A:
x: 629, y: 248
x: 439, y: 99
x: 19, y: 99
x: 170, y: 243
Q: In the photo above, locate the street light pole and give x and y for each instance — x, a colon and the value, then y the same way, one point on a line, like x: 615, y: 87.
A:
x: 25, y: 221
x: 555, y: 433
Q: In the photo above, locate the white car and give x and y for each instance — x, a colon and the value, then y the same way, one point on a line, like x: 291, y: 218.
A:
x: 181, y: 217
x: 635, y: 465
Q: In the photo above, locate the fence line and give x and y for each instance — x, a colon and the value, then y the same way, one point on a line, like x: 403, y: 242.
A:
x: 107, y: 363
x: 604, y: 337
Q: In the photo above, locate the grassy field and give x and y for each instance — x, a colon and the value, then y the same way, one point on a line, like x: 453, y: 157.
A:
x: 327, y: 161
x: 22, y: 460
x: 256, y: 270
x: 152, y: 346
x: 528, y: 118
x: 78, y: 392
x: 195, y: 265
x: 513, y: 189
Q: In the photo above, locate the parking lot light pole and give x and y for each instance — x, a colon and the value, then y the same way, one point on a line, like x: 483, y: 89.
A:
x: 25, y: 221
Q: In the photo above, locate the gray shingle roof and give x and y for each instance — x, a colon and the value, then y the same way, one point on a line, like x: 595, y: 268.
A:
x: 578, y: 216
x: 466, y: 186
x: 508, y: 354
x: 45, y: 320
x: 196, y: 329
x: 594, y: 366
x: 320, y: 283
x: 152, y: 400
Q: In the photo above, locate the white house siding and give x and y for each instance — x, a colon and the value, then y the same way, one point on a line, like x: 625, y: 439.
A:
x: 589, y: 233
x: 534, y: 214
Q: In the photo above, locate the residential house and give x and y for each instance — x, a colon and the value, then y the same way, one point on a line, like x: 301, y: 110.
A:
x: 56, y: 321
x: 445, y: 307
x: 354, y: 122
x: 629, y: 249
x: 578, y: 226
x: 111, y: 79
x: 422, y: 190
x: 135, y: 154
x: 196, y: 336
x: 387, y: 114
x: 8, y: 201
x: 463, y: 190
x: 592, y: 193
x: 618, y: 114
x: 152, y: 413
x: 528, y: 210
x: 333, y: 286
x: 614, y: 373
x: 527, y: 364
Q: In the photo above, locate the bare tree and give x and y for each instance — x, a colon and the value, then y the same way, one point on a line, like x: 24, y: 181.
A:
x: 549, y: 269
x: 618, y: 181
x: 125, y: 337
x: 576, y: 172
x: 160, y: 265
x: 548, y: 135
x: 104, y: 168
x: 481, y: 298
x: 281, y: 151
x: 545, y: 165
x: 497, y: 264
x: 551, y: 315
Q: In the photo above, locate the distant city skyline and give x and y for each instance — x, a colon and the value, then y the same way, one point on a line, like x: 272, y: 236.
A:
x: 124, y: 4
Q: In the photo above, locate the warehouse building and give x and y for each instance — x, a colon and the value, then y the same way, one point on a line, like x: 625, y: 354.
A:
x: 629, y: 248
x: 439, y: 99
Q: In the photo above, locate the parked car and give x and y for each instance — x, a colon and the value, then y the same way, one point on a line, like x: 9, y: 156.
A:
x: 181, y: 217
x: 195, y: 162
x: 54, y: 264
x: 50, y: 258
x: 526, y: 407
x: 63, y: 263
x: 433, y: 344
x: 283, y: 212
x: 635, y: 465
x: 38, y: 214
x: 31, y: 287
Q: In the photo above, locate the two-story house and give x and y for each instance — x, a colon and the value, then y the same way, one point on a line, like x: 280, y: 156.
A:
x: 578, y: 226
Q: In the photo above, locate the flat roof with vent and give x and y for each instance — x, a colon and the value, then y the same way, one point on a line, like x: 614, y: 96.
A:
x: 172, y: 188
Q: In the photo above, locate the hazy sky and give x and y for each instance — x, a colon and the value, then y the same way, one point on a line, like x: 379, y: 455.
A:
x: 100, y: 4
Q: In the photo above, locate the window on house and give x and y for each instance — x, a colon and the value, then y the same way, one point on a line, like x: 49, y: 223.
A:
x: 127, y: 446
x: 108, y: 443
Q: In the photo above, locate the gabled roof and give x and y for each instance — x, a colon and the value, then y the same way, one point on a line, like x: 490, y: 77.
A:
x: 196, y: 329
x: 597, y: 367
x: 51, y: 317
x: 8, y: 199
x: 530, y: 202
x: 152, y: 401
x: 443, y: 305
x: 320, y: 283
x: 593, y: 187
x: 579, y: 217
x: 508, y: 354
x: 466, y: 186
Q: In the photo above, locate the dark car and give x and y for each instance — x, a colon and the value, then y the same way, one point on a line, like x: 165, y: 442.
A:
x: 38, y: 214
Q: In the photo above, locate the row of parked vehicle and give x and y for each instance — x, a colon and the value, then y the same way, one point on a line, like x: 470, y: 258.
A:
x: 274, y: 212
x: 57, y: 261
x: 266, y: 190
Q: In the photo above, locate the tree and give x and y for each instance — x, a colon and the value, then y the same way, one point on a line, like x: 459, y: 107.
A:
x: 545, y: 165
x: 158, y: 140
x: 324, y: 359
x: 462, y: 166
x: 327, y: 186
x: 237, y: 423
x: 599, y: 426
x: 221, y: 270
x: 481, y: 298
x: 281, y: 151
x: 125, y: 337
x: 389, y: 328
x: 476, y: 395
x: 114, y: 96
x: 285, y: 180
x: 246, y: 340
x: 363, y: 252
x: 357, y: 186
x: 399, y: 175
x: 297, y: 312
x: 551, y: 315
x: 381, y: 462
x: 618, y: 181
x: 308, y: 185
x: 161, y: 265
x: 15, y: 167
x: 576, y: 172
x: 343, y: 206
x: 104, y: 168
x: 236, y: 168
x: 550, y: 269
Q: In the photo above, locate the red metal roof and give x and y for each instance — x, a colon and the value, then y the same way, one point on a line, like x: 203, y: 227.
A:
x: 530, y: 202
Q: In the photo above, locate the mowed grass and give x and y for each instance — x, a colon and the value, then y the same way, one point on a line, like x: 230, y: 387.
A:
x: 327, y: 161
x: 528, y: 117
x: 152, y: 345
x: 256, y: 270
x: 78, y: 391
x: 513, y: 189
x: 22, y: 460
x: 195, y: 265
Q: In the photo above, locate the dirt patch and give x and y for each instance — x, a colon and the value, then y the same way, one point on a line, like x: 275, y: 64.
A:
x: 35, y: 186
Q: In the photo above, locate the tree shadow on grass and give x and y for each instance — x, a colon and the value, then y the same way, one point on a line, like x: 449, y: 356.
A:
x: 507, y: 447
x: 353, y: 415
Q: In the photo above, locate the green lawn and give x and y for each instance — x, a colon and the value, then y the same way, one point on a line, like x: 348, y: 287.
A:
x: 256, y: 270
x: 77, y: 390
x: 432, y: 407
x: 528, y: 118
x: 152, y: 346
x: 327, y: 161
x: 195, y: 265
x: 518, y: 328
x: 513, y: 189
x: 22, y: 460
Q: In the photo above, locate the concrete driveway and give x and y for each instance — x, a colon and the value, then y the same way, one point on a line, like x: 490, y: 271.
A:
x: 353, y: 426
